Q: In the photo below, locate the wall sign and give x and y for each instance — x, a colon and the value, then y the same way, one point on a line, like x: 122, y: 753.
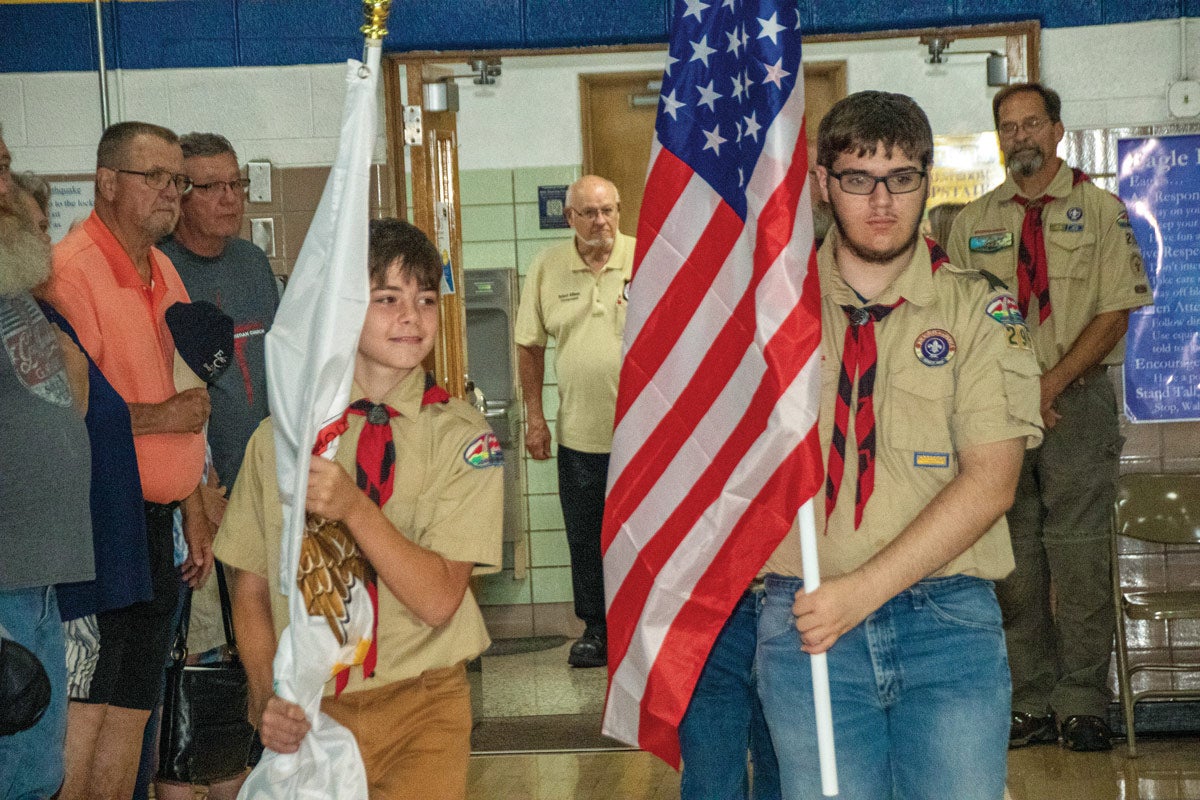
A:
x: 1159, y: 180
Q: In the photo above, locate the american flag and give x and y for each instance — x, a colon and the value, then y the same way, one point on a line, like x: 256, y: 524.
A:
x: 715, y: 447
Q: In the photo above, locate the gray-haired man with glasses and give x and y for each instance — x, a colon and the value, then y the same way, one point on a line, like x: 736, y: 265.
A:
x: 576, y: 293
x: 218, y: 266
x: 232, y: 273
x: 114, y: 287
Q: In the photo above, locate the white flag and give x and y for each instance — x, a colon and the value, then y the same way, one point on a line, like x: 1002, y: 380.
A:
x: 310, y: 368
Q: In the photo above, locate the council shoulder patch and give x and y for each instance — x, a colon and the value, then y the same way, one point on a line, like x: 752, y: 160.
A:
x: 1004, y: 309
x: 1123, y: 219
x: 935, y: 347
x: 484, y: 451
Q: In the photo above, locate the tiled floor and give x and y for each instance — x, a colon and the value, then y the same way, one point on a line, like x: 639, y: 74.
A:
x: 1166, y: 770
x: 542, y: 683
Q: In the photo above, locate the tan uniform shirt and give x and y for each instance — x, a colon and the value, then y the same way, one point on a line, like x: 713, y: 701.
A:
x: 1093, y: 262
x: 585, y: 313
x: 439, y: 500
x: 976, y: 384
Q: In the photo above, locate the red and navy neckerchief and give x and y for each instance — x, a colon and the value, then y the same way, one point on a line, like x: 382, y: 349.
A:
x: 375, y: 468
x: 1033, y: 275
x: 859, y: 355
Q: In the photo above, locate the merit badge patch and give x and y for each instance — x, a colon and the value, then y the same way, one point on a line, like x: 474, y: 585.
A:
x: 1075, y: 214
x: 990, y: 242
x: 931, y: 460
x: 935, y: 347
x: 484, y: 451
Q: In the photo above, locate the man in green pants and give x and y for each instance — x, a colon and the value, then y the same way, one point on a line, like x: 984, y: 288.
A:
x: 1065, y: 245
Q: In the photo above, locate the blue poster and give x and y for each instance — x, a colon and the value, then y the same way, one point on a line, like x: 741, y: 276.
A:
x: 1159, y: 180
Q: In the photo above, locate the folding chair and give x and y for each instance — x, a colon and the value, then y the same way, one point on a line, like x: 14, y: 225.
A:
x: 1161, y: 508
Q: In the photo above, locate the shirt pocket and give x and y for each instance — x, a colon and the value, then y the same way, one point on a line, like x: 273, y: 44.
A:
x: 1071, y: 256
x: 919, y: 406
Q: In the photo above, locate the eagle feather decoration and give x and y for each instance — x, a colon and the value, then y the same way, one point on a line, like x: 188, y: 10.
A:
x: 330, y: 564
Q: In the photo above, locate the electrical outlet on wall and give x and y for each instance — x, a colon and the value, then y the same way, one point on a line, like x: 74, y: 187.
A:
x: 262, y: 233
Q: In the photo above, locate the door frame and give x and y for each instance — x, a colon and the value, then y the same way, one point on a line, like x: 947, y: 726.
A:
x: 1023, y: 46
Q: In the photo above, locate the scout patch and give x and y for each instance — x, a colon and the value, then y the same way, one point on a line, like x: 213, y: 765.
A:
x: 1123, y: 219
x: 1075, y: 213
x: 484, y: 451
x: 990, y: 242
x: 1067, y: 227
x: 1003, y: 308
x: 931, y: 460
x: 935, y: 347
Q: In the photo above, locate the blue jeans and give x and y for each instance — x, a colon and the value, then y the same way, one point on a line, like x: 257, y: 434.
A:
x: 920, y: 691
x: 31, y: 762
x: 725, y: 718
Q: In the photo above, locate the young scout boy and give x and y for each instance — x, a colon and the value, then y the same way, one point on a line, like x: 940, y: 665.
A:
x: 440, y: 518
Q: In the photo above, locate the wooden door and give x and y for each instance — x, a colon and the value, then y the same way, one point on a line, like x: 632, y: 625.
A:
x: 618, y: 115
x: 436, y: 211
x: 618, y: 112
x: 824, y: 85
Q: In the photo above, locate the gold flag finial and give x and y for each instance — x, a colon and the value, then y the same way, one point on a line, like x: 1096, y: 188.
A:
x: 376, y: 13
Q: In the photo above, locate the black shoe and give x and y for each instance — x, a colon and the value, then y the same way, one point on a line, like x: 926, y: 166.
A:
x: 589, y: 651
x: 1031, y: 729
x: 1086, y: 734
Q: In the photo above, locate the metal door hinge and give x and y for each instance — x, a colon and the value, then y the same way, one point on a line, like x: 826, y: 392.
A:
x: 412, y: 125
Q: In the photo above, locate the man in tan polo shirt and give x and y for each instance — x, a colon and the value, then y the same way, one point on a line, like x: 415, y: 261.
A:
x: 925, y: 415
x: 1066, y: 247
x: 576, y: 292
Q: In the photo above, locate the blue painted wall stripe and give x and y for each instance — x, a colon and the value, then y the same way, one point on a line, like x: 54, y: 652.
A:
x: 159, y: 34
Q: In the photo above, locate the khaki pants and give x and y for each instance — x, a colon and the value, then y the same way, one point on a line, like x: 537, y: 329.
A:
x: 414, y: 735
x: 1059, y: 524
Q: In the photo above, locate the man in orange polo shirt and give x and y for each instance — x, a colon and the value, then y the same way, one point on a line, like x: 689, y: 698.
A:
x: 114, y: 287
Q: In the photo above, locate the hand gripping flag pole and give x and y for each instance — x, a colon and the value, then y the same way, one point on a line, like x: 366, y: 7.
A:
x: 310, y: 365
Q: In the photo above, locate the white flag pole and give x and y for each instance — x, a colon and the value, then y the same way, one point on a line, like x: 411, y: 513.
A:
x: 820, y: 665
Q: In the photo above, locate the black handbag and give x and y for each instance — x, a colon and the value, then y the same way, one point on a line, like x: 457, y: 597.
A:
x: 206, y: 736
x: 24, y: 688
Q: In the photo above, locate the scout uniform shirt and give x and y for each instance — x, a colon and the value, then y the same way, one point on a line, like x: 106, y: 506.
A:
x: 447, y: 496
x: 954, y: 370
x: 1093, y: 262
x: 585, y: 313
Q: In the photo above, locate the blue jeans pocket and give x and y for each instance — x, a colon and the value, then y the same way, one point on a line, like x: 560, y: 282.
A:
x: 966, y: 602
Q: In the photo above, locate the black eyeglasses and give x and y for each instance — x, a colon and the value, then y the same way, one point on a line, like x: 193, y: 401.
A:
x: 157, y: 179
x: 239, y: 186
x: 862, y: 183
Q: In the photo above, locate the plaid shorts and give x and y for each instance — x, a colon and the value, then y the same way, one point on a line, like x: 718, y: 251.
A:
x: 83, y: 654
